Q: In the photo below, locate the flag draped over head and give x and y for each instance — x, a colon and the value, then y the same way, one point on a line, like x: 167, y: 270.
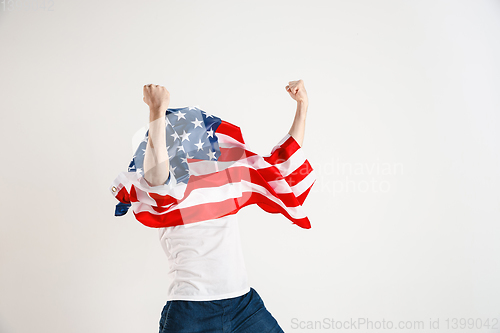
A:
x: 190, y: 135
x: 213, y: 174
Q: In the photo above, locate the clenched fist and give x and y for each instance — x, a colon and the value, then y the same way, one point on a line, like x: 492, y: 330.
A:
x: 157, y: 97
x: 297, y: 91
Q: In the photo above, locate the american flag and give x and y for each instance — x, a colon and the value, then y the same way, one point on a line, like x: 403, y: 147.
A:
x: 213, y: 174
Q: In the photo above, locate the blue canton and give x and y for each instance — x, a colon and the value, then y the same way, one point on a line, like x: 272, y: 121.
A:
x: 190, y: 134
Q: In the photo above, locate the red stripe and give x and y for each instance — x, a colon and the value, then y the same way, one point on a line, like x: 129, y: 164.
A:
x: 230, y: 130
x: 133, y: 194
x: 123, y: 196
x: 301, y: 198
x: 283, y: 153
x: 234, y: 154
x: 299, y: 174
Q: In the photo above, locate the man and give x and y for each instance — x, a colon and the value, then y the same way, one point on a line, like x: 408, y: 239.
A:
x: 209, y: 291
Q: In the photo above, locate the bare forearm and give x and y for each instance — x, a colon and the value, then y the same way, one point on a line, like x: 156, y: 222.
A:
x: 299, y: 123
x: 156, y: 164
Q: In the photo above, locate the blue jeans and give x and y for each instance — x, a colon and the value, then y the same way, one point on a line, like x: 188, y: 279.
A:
x: 242, y: 314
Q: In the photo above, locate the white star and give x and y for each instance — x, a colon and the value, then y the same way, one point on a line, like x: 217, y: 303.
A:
x: 167, y: 122
x: 193, y: 107
x: 184, y: 160
x: 207, y: 114
x: 210, y: 133
x: 145, y: 139
x: 180, y: 115
x: 197, y: 123
x: 175, y: 135
x: 172, y: 169
x: 144, y: 150
x: 139, y: 170
x: 185, y: 136
x: 211, y: 154
x: 199, y: 145
x: 180, y: 148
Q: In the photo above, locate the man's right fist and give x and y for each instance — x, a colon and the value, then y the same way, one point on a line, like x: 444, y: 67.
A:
x: 157, y: 97
x: 297, y: 91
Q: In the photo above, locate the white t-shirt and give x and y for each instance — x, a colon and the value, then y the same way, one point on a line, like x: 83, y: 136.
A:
x: 206, y: 260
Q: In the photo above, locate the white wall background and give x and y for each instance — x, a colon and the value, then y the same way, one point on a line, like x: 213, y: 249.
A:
x: 403, y: 131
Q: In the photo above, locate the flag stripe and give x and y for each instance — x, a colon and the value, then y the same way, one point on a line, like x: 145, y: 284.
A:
x: 307, y: 182
x: 301, y: 198
x: 281, y: 154
x: 230, y: 130
x: 299, y: 173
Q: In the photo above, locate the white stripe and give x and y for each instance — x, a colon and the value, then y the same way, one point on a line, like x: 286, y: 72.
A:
x: 176, y: 191
x: 227, y: 141
x: 257, y: 162
x: 145, y: 198
x: 293, y: 162
x: 211, y: 194
x: 280, y: 186
x: 279, y: 144
x: 304, y: 184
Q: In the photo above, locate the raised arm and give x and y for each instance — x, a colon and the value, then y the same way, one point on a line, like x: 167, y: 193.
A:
x: 156, y: 164
x: 297, y: 91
